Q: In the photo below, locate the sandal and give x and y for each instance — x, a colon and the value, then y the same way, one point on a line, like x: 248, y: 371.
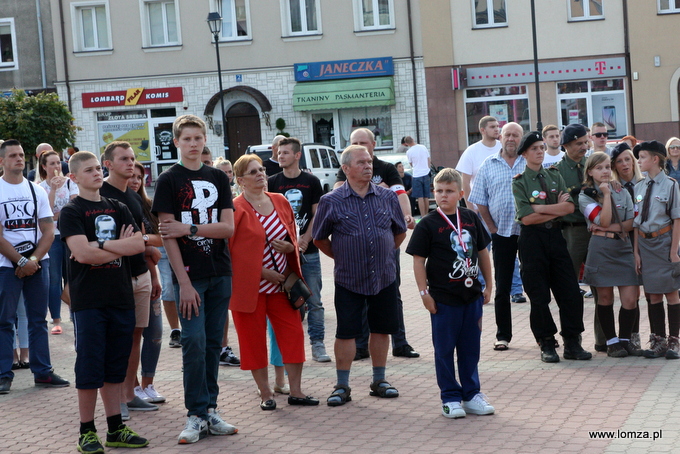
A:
x: 339, y: 396
x: 268, y: 405
x: 500, y: 345
x: 56, y: 330
x: 382, y: 388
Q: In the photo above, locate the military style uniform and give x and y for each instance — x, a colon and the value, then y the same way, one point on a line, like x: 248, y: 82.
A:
x: 575, y: 229
x: 545, y: 258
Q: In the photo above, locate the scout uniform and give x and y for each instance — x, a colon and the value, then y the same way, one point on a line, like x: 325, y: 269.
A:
x: 545, y: 263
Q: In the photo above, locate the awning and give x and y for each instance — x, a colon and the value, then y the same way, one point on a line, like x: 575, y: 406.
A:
x: 344, y: 94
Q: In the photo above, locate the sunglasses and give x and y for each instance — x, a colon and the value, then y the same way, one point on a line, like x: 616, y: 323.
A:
x: 601, y: 134
x: 254, y: 172
x: 674, y: 147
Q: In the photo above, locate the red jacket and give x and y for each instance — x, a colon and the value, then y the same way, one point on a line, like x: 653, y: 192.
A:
x: 247, y: 247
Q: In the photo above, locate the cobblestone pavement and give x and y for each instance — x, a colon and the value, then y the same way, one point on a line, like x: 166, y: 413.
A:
x: 546, y: 408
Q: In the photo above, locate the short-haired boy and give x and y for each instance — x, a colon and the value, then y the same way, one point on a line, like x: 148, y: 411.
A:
x: 196, y: 215
x: 449, y: 249
x: 101, y: 300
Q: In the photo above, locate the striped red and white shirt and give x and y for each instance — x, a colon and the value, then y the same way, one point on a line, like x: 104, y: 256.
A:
x: 275, y: 230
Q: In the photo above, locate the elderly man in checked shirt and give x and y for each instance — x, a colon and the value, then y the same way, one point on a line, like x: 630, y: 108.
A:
x: 492, y: 193
x: 365, y: 225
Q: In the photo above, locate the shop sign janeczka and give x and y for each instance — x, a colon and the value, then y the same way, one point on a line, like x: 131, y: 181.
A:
x: 344, y: 69
x: 133, y: 97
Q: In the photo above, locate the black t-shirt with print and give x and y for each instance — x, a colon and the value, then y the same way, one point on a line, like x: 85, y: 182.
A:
x: 108, y: 284
x: 447, y: 265
x: 302, y: 192
x: 134, y: 203
x: 383, y: 172
x: 196, y: 197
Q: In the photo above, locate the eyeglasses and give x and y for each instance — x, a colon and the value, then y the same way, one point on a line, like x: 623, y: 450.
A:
x: 601, y: 134
x: 674, y: 147
x: 254, y: 172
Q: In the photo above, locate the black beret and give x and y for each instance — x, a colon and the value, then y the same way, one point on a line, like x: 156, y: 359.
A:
x: 618, y: 149
x: 573, y: 132
x: 653, y: 146
x: 528, y: 140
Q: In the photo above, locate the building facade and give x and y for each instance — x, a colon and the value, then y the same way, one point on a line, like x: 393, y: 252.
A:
x: 324, y: 67
x: 27, y: 49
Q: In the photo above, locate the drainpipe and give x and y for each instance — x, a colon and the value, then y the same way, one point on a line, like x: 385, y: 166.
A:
x: 413, y: 70
x: 41, y: 43
x: 626, y: 44
x: 64, y: 53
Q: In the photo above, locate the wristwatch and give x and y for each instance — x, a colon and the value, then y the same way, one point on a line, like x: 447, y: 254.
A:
x: 193, y: 229
x: 101, y: 243
x: 145, y: 238
x: 33, y: 258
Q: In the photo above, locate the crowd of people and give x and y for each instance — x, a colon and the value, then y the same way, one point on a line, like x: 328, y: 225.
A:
x: 561, y: 200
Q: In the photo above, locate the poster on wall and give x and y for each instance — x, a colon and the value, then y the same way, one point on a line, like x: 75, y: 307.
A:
x: 134, y: 132
x: 500, y: 112
x: 610, y: 109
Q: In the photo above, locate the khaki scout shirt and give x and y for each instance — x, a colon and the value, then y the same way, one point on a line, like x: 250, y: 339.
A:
x: 665, y: 199
x: 527, y: 190
x: 567, y: 168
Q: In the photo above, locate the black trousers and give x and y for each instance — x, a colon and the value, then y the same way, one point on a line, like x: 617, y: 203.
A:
x: 504, y: 251
x: 546, y: 266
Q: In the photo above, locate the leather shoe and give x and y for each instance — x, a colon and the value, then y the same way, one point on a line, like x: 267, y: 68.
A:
x: 5, y: 384
x: 307, y: 400
x: 600, y: 348
x: 405, y: 351
x: 573, y: 350
x: 548, y: 353
x: 268, y: 405
x: 361, y: 354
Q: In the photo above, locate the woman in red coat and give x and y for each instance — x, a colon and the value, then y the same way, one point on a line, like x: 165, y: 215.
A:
x: 263, y: 252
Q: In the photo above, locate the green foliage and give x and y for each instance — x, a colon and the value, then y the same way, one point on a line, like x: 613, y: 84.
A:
x: 35, y: 119
x: 281, y: 125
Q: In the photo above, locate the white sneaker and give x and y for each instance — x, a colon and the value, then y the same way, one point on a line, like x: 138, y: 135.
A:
x: 217, y: 425
x: 152, y: 395
x: 195, y: 429
x: 319, y: 352
x: 139, y: 392
x: 478, y: 405
x: 453, y: 410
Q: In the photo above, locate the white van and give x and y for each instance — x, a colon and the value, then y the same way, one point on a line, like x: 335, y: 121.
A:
x: 318, y: 159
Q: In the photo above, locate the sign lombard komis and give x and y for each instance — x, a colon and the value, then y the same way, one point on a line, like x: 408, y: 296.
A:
x: 344, y: 69
x: 133, y: 97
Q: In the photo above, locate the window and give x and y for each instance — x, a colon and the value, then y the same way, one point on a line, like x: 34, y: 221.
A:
x: 374, y: 14
x: 669, y: 6
x: 378, y: 119
x: 510, y: 103
x: 235, y: 19
x: 8, y: 45
x: 585, y: 10
x: 489, y: 13
x: 91, y: 30
x: 160, y: 23
x: 302, y: 17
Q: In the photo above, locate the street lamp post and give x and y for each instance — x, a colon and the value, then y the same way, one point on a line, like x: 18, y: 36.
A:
x: 539, y: 123
x: 215, y: 24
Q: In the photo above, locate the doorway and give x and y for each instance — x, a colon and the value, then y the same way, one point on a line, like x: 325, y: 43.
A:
x: 243, y: 129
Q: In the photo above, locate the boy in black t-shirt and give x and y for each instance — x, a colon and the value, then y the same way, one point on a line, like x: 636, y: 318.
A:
x: 101, y: 235
x: 449, y: 249
x: 193, y: 202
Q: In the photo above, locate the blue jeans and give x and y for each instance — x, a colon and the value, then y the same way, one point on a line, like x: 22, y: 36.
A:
x: 457, y: 328
x: 21, y: 338
x: 35, y: 289
x: 516, y: 280
x: 202, y: 343
x: 311, y: 271
x: 152, y: 338
x: 56, y: 266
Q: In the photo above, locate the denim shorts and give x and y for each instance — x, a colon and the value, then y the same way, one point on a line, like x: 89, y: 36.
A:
x: 421, y: 187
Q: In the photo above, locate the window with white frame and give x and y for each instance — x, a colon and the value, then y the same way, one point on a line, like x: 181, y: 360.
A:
x: 8, y: 45
x: 160, y: 23
x: 235, y: 19
x: 374, y: 14
x: 489, y: 13
x: 506, y: 104
x: 91, y: 29
x: 302, y: 17
x: 585, y: 9
x: 668, y: 6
